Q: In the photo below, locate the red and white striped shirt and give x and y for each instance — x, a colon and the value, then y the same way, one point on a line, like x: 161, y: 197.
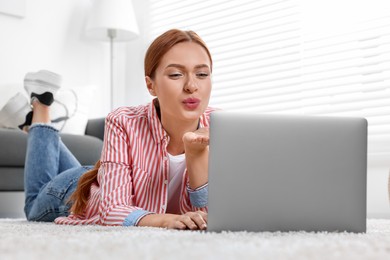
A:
x: 134, y: 172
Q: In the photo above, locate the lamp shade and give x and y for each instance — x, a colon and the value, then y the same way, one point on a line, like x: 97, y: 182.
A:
x: 115, y: 15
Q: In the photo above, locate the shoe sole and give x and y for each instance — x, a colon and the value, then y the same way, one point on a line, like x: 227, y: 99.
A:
x: 14, y: 111
x: 39, y: 87
x: 41, y: 82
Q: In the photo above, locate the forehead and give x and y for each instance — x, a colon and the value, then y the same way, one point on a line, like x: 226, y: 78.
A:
x: 188, y: 54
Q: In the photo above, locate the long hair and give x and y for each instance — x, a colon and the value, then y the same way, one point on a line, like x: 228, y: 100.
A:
x: 159, y: 47
x: 163, y: 43
x: 80, y: 196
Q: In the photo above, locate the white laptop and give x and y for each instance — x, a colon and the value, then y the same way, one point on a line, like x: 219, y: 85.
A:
x: 287, y: 173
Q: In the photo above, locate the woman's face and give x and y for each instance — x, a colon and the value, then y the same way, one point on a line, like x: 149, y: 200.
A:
x: 182, y: 82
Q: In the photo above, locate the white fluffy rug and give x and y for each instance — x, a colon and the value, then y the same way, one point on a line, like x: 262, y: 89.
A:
x: 20, y: 239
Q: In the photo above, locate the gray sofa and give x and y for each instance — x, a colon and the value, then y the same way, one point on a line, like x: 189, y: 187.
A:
x: 86, y: 148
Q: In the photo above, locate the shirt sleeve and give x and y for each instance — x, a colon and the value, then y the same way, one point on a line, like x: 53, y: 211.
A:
x: 115, y: 177
x: 194, y: 200
x: 199, y: 196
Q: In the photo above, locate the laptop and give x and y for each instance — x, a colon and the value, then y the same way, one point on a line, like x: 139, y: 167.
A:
x: 287, y: 173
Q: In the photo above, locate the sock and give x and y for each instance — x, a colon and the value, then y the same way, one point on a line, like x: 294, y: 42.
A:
x: 45, y: 98
x: 28, y: 120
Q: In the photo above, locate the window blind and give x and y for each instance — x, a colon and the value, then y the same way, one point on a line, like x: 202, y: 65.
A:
x: 273, y: 56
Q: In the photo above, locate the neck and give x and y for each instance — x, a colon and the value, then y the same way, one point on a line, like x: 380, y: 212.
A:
x: 176, y: 129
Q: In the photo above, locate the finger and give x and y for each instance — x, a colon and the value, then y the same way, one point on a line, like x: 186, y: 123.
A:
x: 203, y: 214
x: 189, y: 137
x: 188, y: 221
x: 199, y: 220
x: 180, y: 225
x: 205, y: 140
x: 201, y: 139
x: 177, y: 225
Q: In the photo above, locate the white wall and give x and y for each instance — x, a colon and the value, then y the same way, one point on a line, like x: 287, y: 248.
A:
x: 51, y: 36
x: 135, y: 88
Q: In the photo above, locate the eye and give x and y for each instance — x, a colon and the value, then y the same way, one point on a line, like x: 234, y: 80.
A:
x: 202, y: 75
x: 175, y: 75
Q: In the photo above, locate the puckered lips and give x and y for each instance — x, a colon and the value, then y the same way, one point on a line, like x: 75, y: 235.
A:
x: 191, y: 103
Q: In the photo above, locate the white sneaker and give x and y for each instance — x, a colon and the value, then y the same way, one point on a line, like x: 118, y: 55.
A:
x: 63, y: 108
x: 14, y: 112
x: 43, y: 84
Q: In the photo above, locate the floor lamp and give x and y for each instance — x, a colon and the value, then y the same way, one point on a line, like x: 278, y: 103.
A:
x: 112, y: 20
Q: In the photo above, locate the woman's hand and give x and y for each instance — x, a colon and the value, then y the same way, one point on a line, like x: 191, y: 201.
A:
x: 196, y: 142
x: 190, y: 220
x: 196, y: 146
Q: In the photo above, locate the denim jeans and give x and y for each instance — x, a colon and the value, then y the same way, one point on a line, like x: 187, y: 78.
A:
x: 51, y: 173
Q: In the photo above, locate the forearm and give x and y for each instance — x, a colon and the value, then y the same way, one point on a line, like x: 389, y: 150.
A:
x: 197, y: 169
x: 155, y: 220
x: 191, y: 220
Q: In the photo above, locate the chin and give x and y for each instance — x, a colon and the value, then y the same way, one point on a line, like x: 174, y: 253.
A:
x: 192, y: 115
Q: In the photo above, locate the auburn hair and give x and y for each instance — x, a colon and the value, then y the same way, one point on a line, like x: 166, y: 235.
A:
x: 163, y: 43
x: 80, y: 196
x: 156, y: 51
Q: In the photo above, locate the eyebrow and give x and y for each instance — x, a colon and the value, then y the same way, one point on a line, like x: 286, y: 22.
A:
x: 183, y: 67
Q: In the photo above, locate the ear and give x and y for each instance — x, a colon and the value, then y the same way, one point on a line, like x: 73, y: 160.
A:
x: 150, y: 86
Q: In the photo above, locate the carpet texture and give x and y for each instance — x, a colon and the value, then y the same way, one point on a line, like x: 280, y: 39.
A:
x: 20, y: 239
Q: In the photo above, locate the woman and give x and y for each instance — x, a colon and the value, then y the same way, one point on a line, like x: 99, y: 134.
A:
x: 153, y: 167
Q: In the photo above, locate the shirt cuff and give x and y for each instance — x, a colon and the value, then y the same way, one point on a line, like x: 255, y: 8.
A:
x: 134, y: 217
x: 199, y: 196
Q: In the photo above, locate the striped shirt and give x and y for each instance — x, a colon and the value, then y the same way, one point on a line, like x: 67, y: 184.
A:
x: 134, y: 173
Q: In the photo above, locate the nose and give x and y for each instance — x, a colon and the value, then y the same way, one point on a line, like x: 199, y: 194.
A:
x: 190, y: 86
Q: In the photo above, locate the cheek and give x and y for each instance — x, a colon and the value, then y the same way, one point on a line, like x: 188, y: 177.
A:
x: 206, y: 86
x: 167, y: 88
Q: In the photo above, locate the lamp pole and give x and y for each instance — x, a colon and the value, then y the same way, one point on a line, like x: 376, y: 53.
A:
x: 111, y: 33
x: 113, y: 21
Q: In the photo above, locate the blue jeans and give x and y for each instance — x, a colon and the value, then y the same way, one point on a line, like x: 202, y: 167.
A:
x: 51, y: 173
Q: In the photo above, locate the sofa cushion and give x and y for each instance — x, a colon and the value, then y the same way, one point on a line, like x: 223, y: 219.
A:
x: 85, y: 148
x: 95, y: 127
x: 12, y: 179
x: 13, y: 145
